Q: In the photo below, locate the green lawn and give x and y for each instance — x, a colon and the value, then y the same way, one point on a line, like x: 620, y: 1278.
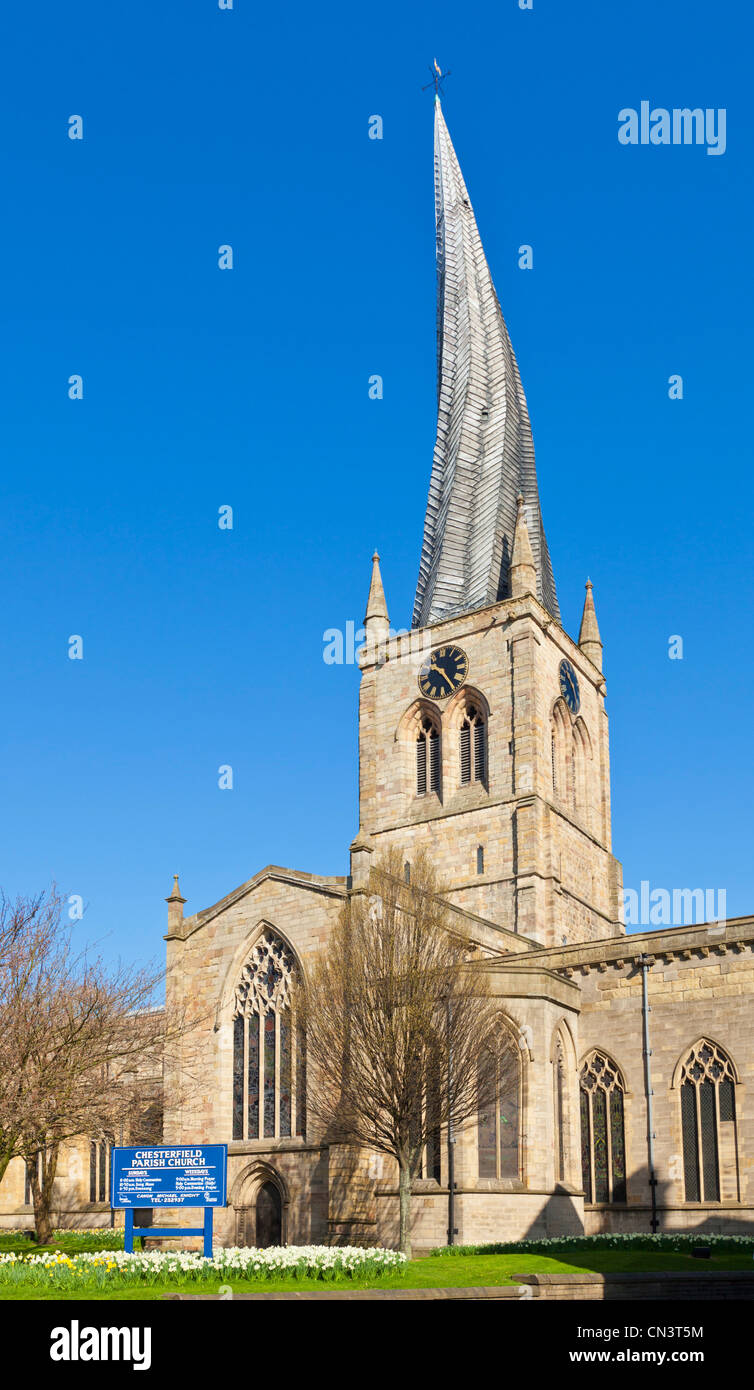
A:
x: 435, y: 1272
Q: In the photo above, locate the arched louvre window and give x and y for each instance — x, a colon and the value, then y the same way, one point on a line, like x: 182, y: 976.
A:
x: 427, y: 758
x: 708, y: 1123
x: 269, y: 1050
x: 499, y: 1122
x: 473, y: 747
x: 603, y: 1144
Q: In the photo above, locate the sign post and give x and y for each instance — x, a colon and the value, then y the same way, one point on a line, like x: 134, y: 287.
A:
x: 170, y: 1175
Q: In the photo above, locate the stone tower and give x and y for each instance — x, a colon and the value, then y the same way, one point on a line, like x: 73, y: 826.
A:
x: 483, y: 735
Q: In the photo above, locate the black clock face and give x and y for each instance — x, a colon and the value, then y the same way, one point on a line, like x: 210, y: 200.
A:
x: 444, y: 671
x: 569, y: 686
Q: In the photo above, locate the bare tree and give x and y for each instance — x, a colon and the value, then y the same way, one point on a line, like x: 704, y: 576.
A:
x: 402, y: 1035
x: 80, y: 1043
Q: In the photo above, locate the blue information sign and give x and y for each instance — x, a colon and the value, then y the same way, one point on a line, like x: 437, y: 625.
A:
x: 174, y: 1175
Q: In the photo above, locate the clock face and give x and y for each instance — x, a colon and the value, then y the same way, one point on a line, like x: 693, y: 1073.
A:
x: 569, y: 686
x: 444, y: 671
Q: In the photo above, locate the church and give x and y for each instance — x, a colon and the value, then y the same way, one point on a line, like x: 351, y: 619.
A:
x: 483, y: 739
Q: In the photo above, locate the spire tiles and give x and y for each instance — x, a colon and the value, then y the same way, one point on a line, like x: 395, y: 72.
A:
x: 484, y: 452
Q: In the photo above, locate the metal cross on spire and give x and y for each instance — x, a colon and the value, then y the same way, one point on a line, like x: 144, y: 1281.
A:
x: 438, y: 77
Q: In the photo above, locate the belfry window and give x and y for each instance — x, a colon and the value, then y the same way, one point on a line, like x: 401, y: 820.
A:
x: 269, y: 1049
x: 603, y: 1144
x: 708, y: 1122
x: 473, y: 747
x: 427, y: 758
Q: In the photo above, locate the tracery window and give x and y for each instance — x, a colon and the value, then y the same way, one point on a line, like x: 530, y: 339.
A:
x: 708, y: 1122
x: 427, y: 757
x: 269, y: 1049
x: 603, y: 1143
x: 473, y: 747
x: 498, y: 1123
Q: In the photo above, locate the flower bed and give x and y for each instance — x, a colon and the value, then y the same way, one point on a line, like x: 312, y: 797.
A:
x: 114, y: 1268
x: 92, y: 1238
x: 681, y: 1241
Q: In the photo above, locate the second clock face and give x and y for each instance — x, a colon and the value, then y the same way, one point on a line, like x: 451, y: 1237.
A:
x: 444, y: 671
x: 569, y: 686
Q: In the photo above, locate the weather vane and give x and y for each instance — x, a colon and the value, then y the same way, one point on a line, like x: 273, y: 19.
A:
x: 438, y: 77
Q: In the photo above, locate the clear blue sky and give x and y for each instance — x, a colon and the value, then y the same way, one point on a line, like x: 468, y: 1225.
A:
x: 203, y: 647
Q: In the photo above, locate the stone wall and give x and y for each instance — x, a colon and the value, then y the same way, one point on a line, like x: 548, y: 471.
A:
x: 548, y: 870
x: 699, y: 986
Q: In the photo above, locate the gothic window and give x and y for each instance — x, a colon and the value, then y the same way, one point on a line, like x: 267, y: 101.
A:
x: 498, y: 1123
x: 582, y: 754
x: 561, y: 745
x: 473, y: 747
x: 99, y: 1170
x: 480, y: 859
x: 269, y: 1049
x: 603, y: 1144
x: 559, y: 1091
x: 708, y: 1122
x: 431, y: 1158
x: 427, y: 757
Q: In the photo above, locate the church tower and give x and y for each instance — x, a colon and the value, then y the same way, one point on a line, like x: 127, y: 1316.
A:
x: 483, y: 736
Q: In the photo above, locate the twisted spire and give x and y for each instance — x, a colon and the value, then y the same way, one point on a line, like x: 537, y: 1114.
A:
x: 484, y: 453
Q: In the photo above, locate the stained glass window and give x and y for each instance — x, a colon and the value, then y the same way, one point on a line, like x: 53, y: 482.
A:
x: 603, y: 1141
x: 269, y: 1075
x: 690, y: 1144
x: 618, y: 1145
x: 586, y: 1153
x: 285, y: 1074
x: 265, y: 1094
x: 300, y: 1081
x: 599, y: 1143
x: 254, y: 1023
x: 708, y: 1119
x: 238, y: 1077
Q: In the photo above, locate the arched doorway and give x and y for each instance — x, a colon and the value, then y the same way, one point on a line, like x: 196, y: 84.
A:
x: 269, y: 1216
x: 260, y: 1197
